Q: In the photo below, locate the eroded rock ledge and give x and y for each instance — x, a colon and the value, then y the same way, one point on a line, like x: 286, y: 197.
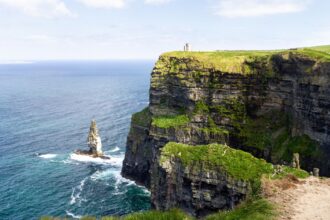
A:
x: 206, y: 178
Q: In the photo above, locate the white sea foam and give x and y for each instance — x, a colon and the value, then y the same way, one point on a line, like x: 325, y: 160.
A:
x: 67, y: 161
x: 76, y: 192
x: 146, y: 191
x: 48, y: 156
x: 120, y: 180
x: 101, y: 175
x: 114, y: 150
x: 110, y: 173
x: 117, y: 193
x: 116, y: 161
x: 73, y: 215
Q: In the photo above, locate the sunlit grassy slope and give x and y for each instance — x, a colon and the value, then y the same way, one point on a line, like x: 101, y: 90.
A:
x: 240, y: 61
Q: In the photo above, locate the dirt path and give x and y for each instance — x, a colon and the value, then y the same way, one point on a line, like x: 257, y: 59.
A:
x: 302, y: 200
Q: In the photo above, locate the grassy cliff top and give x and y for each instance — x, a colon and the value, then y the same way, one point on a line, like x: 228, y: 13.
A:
x: 237, y: 61
x: 321, y: 53
x: 324, y: 48
x: 236, y: 163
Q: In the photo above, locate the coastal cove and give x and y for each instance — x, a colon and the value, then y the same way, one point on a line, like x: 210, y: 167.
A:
x: 46, y: 108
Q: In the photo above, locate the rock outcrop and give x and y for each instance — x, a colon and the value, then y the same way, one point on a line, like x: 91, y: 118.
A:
x: 203, y: 179
x: 271, y: 104
x: 94, y: 143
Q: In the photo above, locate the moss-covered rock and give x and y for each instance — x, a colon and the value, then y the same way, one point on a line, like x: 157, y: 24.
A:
x: 170, y: 121
x: 203, y: 179
x: 235, y: 163
x: 142, y: 118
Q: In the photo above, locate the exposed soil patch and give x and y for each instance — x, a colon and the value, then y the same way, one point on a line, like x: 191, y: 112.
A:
x: 299, y: 199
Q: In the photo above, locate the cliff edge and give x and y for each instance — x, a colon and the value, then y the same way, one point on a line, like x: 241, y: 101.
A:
x: 268, y: 103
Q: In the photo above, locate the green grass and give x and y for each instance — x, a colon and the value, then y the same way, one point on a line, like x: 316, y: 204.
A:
x: 321, y: 55
x: 52, y: 218
x: 236, y: 163
x: 174, y: 214
x: 88, y: 218
x: 243, y: 62
x: 170, y: 121
x: 110, y: 218
x: 324, y: 48
x: 224, y: 61
x: 285, y: 145
x: 201, y: 108
x: 142, y: 118
x: 259, y: 209
x: 258, y: 132
x: 302, y: 174
x: 270, y: 131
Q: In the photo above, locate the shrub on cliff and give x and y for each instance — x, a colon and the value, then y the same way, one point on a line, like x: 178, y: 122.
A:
x: 252, y: 210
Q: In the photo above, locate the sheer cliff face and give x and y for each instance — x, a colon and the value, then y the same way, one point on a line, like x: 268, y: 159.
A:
x: 269, y: 104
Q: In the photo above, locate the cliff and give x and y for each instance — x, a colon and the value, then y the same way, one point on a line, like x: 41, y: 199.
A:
x: 204, y: 179
x: 269, y: 103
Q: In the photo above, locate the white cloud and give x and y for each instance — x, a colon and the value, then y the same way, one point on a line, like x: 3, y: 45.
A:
x: 104, y: 3
x: 253, y: 8
x: 156, y: 2
x: 41, y: 38
x: 39, y: 8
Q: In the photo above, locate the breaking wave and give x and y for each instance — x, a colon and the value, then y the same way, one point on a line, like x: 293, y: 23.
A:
x: 114, y: 150
x: 115, y: 161
x: 76, y: 192
x: 48, y: 156
x: 101, y: 175
x: 112, y: 174
x: 72, y: 215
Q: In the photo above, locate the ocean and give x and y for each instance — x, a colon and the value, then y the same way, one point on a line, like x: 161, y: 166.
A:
x: 46, y: 108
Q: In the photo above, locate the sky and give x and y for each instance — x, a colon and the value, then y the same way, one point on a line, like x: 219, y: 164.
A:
x: 143, y: 29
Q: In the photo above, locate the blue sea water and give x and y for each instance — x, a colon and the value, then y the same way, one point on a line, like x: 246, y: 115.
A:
x: 46, y: 107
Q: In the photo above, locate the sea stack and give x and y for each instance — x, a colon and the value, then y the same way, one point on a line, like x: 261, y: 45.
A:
x: 94, y: 143
x: 94, y: 140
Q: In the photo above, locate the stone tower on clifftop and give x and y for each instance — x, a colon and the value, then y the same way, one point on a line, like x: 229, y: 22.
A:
x: 187, y: 47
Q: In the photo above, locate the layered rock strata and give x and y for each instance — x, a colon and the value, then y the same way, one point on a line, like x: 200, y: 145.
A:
x: 271, y: 104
